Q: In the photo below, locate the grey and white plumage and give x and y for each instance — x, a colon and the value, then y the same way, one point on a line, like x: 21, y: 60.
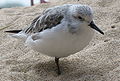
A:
x: 60, y: 31
x: 51, y: 17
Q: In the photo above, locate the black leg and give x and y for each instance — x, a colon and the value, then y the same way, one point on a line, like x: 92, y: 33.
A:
x: 57, y: 63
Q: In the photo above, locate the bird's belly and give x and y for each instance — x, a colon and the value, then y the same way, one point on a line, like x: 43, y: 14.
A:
x: 61, y: 44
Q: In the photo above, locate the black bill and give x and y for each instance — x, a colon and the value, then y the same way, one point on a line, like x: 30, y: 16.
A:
x: 92, y: 25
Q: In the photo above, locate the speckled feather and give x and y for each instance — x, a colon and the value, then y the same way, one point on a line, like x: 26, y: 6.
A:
x: 48, y: 19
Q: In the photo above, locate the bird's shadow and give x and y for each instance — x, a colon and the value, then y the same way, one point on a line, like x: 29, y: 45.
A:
x: 77, y: 68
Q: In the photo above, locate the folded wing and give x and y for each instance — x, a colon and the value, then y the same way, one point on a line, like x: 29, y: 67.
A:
x: 49, y: 18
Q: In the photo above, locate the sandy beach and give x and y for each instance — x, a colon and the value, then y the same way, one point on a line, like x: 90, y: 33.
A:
x: 99, y: 61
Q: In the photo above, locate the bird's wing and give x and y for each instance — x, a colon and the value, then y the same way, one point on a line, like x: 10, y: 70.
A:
x: 49, y: 18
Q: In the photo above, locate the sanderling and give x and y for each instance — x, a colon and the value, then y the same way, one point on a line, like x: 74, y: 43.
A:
x: 60, y: 31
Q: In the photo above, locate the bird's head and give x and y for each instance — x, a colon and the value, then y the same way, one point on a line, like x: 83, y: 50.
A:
x: 83, y: 15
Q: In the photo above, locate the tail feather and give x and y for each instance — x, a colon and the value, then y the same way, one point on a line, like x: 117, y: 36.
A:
x: 19, y: 34
x: 13, y: 31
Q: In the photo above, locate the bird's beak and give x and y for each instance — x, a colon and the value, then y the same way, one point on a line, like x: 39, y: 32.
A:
x: 92, y: 25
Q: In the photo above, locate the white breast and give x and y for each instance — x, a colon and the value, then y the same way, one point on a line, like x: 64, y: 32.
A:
x: 59, y: 42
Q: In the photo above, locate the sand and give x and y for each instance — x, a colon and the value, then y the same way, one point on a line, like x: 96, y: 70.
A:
x: 99, y: 61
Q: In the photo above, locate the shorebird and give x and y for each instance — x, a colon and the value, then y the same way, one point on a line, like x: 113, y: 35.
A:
x: 60, y: 31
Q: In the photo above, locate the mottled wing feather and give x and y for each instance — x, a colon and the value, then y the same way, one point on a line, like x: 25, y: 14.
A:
x: 29, y: 29
x: 50, y: 18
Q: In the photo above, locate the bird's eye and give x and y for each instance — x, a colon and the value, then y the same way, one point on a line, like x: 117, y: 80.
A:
x: 80, y: 17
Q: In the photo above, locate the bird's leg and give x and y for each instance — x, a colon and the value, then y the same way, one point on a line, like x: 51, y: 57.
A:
x: 57, y: 63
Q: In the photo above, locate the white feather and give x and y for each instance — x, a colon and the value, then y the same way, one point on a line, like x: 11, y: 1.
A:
x: 20, y: 35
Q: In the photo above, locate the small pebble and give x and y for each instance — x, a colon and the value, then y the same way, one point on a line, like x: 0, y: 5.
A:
x: 106, y: 40
x: 113, y: 26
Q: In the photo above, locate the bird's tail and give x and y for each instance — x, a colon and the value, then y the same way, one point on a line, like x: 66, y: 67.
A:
x: 19, y: 34
x: 13, y: 31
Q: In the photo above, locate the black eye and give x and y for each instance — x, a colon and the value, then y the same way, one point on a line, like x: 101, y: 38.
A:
x: 80, y: 17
